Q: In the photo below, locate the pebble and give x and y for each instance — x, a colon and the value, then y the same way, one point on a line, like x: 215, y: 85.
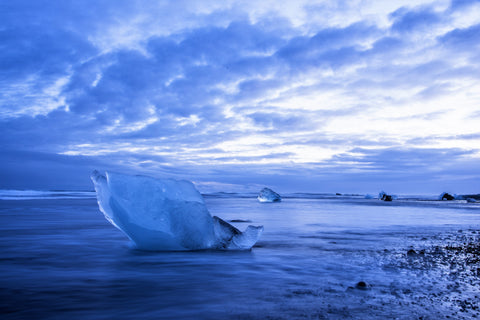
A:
x: 411, y: 252
x: 362, y: 285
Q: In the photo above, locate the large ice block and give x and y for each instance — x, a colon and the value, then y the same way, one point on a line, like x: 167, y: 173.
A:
x: 165, y: 214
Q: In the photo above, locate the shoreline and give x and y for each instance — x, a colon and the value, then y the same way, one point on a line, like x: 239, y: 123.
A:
x: 454, y: 263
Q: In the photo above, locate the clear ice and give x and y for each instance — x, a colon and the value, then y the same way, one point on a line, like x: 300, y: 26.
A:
x: 268, y: 195
x: 166, y: 214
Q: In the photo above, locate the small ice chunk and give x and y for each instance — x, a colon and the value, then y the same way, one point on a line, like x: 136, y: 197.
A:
x: 268, y: 195
x: 165, y: 214
x: 229, y: 237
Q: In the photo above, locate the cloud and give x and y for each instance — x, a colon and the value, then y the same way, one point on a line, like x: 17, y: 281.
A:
x: 205, y: 88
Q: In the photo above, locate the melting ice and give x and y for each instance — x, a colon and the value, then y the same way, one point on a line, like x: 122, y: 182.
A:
x: 165, y: 214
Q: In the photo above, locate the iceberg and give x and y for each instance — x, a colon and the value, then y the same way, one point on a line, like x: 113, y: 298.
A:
x: 268, y: 195
x: 166, y: 215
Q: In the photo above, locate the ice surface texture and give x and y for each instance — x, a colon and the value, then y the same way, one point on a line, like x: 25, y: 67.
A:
x: 268, y: 195
x: 164, y: 214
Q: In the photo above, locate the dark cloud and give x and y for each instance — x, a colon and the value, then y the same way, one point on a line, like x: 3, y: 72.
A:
x: 35, y: 53
x: 40, y: 170
x: 177, y: 77
x: 406, y: 20
x: 435, y: 91
x: 387, y: 45
x: 462, y: 4
x: 405, y: 159
x: 465, y: 39
x: 280, y: 122
x: 47, y: 133
x: 329, y: 48
x: 328, y: 40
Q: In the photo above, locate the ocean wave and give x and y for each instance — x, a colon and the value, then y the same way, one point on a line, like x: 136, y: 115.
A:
x: 79, y: 194
x: 229, y: 195
x: 45, y: 194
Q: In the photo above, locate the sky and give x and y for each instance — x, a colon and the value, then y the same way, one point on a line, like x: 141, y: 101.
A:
x: 307, y: 96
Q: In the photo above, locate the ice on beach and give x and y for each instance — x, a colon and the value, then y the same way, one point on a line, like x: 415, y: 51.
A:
x: 446, y: 196
x: 385, y: 197
x: 268, y: 195
x: 166, y: 214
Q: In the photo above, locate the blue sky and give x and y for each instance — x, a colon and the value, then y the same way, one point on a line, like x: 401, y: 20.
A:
x: 321, y: 96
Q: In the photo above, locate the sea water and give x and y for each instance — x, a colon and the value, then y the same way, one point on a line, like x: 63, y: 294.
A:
x: 60, y: 259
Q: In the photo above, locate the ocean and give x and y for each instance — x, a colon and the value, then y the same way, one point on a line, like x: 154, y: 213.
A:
x: 321, y: 256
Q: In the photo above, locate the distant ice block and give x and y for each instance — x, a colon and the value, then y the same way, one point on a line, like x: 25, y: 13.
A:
x: 166, y: 215
x: 268, y: 195
x: 446, y: 196
x: 385, y: 197
x: 468, y: 197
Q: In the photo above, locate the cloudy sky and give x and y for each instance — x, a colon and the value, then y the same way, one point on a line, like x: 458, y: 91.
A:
x: 321, y: 96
